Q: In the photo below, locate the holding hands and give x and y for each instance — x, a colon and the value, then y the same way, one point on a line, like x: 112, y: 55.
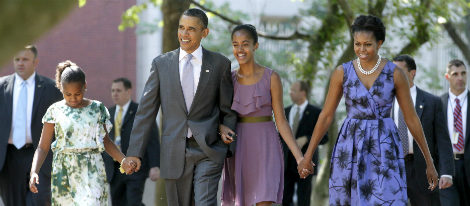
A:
x: 33, y: 180
x: 227, y: 135
x: 305, y: 167
x: 130, y: 165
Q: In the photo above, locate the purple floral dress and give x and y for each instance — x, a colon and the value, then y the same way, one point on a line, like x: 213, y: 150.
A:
x: 365, y: 164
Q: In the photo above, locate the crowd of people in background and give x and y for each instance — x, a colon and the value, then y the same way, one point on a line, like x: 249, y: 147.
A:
x: 398, y: 145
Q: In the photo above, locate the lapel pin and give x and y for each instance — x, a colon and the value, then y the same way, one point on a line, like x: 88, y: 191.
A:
x: 420, y: 106
x: 39, y: 86
x: 207, y: 70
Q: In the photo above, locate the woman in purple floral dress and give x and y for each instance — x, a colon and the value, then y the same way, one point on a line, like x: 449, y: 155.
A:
x: 367, y: 166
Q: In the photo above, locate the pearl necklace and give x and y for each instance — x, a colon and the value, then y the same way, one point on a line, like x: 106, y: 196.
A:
x: 370, y: 71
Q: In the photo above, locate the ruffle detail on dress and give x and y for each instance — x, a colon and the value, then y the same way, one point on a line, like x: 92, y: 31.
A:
x: 252, y: 101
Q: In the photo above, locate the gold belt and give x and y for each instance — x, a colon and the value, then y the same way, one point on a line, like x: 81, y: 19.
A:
x: 255, y: 119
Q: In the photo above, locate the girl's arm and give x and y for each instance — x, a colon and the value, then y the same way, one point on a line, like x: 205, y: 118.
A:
x: 111, y: 148
x: 413, y: 123
x: 335, y: 92
x: 40, y: 155
x: 280, y: 117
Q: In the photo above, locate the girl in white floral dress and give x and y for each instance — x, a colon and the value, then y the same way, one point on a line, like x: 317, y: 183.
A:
x: 80, y: 126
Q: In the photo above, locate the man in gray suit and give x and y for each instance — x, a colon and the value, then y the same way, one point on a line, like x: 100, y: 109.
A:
x: 193, y: 86
x: 431, y: 114
x: 24, y: 99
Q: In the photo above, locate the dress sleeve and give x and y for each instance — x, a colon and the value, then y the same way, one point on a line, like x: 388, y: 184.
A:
x: 49, y: 116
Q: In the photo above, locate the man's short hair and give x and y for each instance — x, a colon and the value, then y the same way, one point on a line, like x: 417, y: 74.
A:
x: 409, y: 61
x: 33, y: 49
x: 456, y: 63
x: 304, y: 86
x: 198, y: 14
x: 126, y: 82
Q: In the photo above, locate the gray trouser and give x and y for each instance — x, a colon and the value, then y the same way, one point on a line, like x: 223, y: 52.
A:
x: 199, y: 180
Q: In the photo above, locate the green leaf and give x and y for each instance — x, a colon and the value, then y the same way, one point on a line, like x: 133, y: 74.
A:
x: 81, y: 3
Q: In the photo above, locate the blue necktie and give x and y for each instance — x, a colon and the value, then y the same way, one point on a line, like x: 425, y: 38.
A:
x: 19, y: 126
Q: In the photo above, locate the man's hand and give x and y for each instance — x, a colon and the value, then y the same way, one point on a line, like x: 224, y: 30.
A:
x: 154, y: 173
x: 445, y: 182
x: 301, y: 141
x: 131, y: 165
x: 227, y: 135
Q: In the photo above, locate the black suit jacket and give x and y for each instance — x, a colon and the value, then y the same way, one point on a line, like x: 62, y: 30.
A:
x: 445, y: 101
x: 45, y: 94
x: 152, y: 155
x: 306, y: 125
x: 431, y: 114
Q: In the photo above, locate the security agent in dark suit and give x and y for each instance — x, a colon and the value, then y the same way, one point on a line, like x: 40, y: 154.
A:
x: 24, y: 99
x: 302, y: 118
x: 431, y: 114
x: 457, y: 119
x: 128, y: 189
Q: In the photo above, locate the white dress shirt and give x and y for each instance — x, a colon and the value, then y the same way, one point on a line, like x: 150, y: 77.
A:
x: 124, y: 111
x: 450, y: 115
x: 294, y: 109
x: 395, y: 115
x: 30, y: 85
x: 196, y: 61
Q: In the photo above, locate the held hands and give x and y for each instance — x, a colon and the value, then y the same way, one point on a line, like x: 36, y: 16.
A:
x: 431, y: 174
x: 305, y: 168
x: 227, y: 135
x: 33, y: 180
x: 130, y: 165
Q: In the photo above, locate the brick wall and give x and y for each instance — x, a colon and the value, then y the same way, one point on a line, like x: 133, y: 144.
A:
x: 90, y: 38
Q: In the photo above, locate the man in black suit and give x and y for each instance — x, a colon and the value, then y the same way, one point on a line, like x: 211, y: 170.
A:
x: 128, y: 189
x: 456, y: 106
x: 24, y: 99
x: 302, y: 118
x: 430, y: 112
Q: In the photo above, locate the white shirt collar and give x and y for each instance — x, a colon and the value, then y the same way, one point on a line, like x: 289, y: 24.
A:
x: 197, y: 54
x: 302, y: 106
x: 461, y: 97
x: 30, y: 81
x: 124, y: 108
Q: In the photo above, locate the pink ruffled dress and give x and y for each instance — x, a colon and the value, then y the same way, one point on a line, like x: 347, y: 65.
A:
x: 256, y: 171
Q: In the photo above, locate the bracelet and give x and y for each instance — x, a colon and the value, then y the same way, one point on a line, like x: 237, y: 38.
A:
x: 120, y: 167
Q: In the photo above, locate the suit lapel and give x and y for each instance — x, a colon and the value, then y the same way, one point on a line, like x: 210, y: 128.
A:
x: 445, y: 103
x: 175, y: 77
x: 130, y: 111
x: 467, y: 126
x: 38, y: 90
x: 419, y: 102
x: 9, y: 98
x: 206, y: 71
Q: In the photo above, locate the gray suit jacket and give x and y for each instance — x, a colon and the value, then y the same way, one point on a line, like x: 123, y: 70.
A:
x: 45, y: 94
x: 210, y: 107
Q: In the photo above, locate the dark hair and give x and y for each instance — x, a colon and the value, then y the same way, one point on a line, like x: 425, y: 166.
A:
x: 456, y: 63
x: 369, y: 23
x: 198, y: 14
x: 248, y: 28
x: 33, y: 49
x: 304, y: 86
x: 67, y: 72
x: 409, y: 61
x: 126, y: 82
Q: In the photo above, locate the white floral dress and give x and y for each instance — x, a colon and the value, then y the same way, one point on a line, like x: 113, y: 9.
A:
x: 78, y: 172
